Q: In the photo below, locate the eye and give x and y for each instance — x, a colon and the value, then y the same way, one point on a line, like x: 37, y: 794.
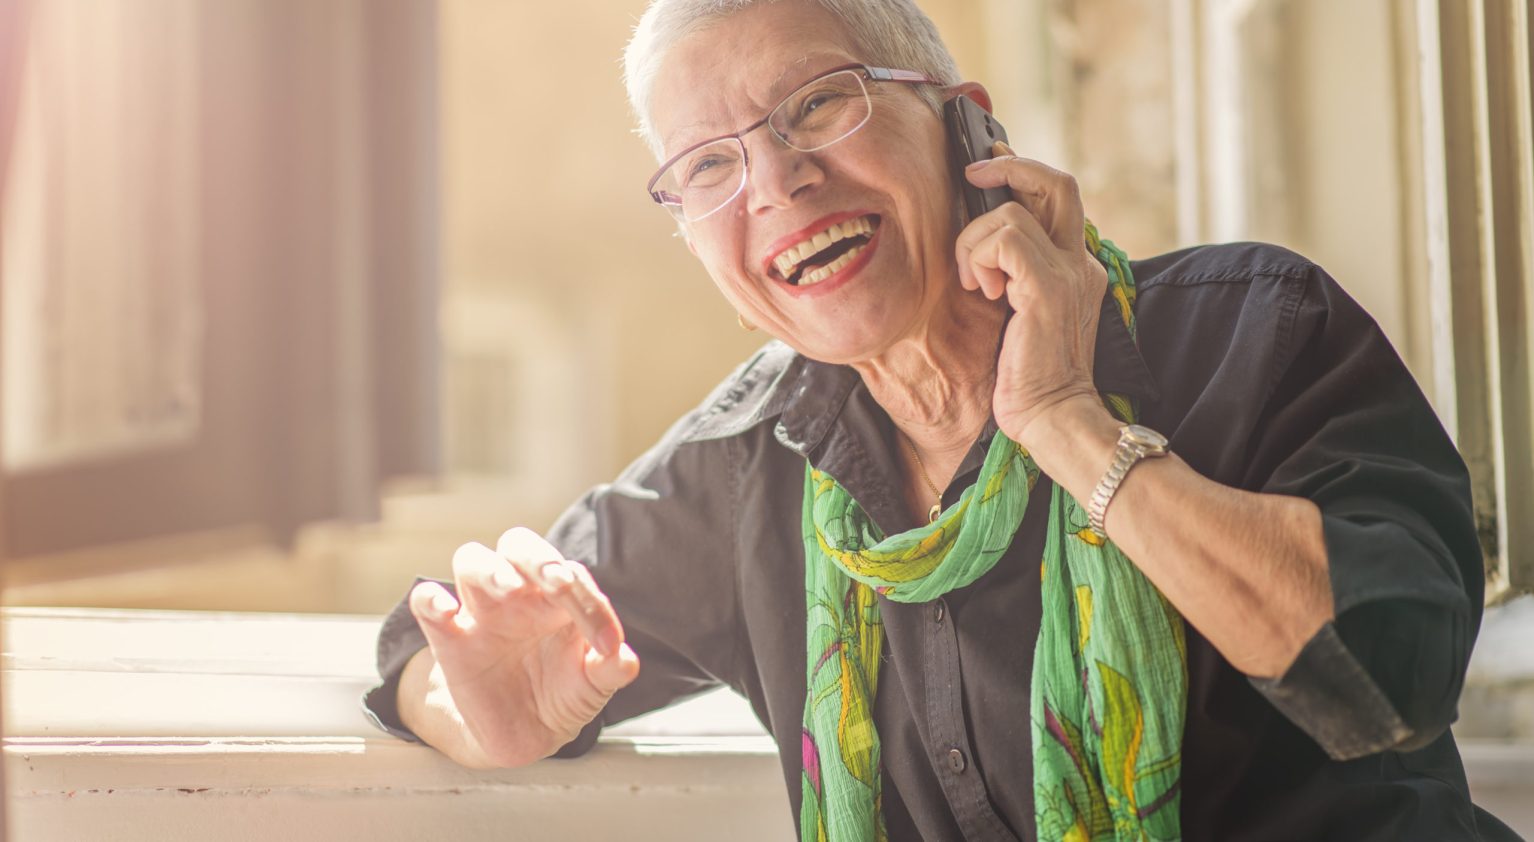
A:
x: 703, y: 165
x: 818, y: 100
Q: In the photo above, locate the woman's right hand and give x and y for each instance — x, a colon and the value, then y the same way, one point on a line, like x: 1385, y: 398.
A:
x: 528, y: 654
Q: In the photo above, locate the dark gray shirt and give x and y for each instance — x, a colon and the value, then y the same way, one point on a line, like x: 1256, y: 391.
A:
x: 1265, y: 376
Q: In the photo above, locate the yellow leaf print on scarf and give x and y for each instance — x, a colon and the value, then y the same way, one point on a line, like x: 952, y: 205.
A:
x: 1084, y: 613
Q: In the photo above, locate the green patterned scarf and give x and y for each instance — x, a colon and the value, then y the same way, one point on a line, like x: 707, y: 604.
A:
x: 1109, y: 671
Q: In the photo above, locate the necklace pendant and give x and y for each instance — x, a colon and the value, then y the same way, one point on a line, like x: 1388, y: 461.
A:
x: 932, y: 513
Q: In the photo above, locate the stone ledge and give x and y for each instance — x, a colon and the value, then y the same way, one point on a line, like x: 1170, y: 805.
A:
x: 327, y: 788
x: 178, y: 725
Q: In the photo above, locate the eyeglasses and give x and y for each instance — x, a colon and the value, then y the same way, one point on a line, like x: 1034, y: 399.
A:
x: 701, y: 179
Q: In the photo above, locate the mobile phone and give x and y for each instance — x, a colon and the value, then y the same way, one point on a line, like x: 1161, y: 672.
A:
x: 972, y: 133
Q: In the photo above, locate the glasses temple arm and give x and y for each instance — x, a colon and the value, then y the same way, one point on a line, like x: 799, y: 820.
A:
x: 887, y: 74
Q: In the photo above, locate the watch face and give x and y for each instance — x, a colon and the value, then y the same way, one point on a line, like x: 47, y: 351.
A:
x: 1144, y: 436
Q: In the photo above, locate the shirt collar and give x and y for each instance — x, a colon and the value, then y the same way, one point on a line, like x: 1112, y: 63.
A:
x: 1117, y: 366
x: 810, y: 395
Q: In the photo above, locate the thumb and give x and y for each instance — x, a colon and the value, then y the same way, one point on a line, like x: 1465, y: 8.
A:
x: 613, y: 673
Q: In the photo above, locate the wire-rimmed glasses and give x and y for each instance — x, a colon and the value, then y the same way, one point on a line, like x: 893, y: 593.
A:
x: 701, y: 179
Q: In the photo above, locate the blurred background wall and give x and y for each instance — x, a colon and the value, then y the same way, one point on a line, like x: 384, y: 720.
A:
x: 389, y: 274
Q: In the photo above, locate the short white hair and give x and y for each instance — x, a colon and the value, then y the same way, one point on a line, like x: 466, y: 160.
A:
x: 886, y: 33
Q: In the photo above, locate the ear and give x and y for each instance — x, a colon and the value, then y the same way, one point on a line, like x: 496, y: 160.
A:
x: 973, y: 90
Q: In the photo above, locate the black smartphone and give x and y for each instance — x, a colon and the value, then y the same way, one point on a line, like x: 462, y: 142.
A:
x: 972, y: 134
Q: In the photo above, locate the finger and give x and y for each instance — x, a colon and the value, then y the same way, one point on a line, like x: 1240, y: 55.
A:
x: 567, y: 584
x: 999, y: 246
x: 533, y: 557
x: 596, y: 618
x: 973, y: 234
x: 576, y: 593
x: 610, y: 674
x: 1009, y: 258
x: 484, y: 579
x: 986, y: 259
x: 1052, y: 196
x: 528, y: 552
x: 435, y: 610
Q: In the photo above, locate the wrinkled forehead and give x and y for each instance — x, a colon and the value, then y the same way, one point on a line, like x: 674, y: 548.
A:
x: 726, y: 74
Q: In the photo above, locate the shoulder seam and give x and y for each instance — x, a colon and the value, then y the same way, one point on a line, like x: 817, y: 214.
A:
x: 732, y: 393
x: 1283, y: 356
x: 1227, y: 277
x: 1298, y: 267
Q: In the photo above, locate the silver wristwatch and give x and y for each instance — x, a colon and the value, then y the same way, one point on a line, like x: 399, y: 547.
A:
x: 1135, y: 443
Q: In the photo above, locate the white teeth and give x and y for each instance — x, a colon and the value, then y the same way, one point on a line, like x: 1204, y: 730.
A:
x: 791, y: 257
x: 815, y: 276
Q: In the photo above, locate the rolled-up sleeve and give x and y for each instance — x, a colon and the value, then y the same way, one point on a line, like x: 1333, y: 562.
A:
x: 1349, y: 429
x: 399, y: 638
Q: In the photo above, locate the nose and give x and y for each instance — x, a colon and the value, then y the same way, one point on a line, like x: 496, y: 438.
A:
x: 778, y: 174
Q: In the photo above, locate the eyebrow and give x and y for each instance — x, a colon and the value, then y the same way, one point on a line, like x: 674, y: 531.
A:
x: 775, y: 92
x: 776, y: 88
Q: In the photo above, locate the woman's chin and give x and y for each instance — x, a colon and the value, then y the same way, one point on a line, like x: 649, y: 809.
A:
x: 861, y: 327
x: 844, y: 349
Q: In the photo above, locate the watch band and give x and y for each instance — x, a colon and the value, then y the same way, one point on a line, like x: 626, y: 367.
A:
x: 1135, y: 443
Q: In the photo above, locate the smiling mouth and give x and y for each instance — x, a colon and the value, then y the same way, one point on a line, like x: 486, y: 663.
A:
x: 823, y: 255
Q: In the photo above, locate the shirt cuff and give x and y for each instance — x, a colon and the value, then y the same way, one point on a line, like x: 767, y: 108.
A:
x: 1330, y: 696
x: 399, y: 638
x: 583, y: 741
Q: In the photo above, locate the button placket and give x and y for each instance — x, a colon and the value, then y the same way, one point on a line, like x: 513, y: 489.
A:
x: 948, y: 735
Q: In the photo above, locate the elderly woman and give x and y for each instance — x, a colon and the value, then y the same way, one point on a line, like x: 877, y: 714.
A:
x: 926, y: 530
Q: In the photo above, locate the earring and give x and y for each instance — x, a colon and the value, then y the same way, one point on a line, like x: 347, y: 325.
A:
x: 744, y: 325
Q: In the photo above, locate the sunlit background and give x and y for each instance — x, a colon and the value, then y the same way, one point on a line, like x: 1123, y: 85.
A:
x: 274, y: 267
x: 299, y: 295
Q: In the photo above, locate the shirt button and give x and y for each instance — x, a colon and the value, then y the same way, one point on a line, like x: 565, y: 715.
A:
x: 956, y: 760
x: 937, y: 612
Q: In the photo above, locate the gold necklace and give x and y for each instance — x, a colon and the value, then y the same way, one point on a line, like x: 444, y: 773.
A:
x: 937, y: 508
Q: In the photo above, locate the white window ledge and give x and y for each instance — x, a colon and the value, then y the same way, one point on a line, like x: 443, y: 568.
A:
x: 148, y: 725
x: 170, y: 726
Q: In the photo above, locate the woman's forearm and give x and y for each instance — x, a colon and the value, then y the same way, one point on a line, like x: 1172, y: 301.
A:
x: 1248, y: 570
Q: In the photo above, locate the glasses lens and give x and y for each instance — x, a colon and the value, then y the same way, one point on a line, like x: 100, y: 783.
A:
x: 705, y: 179
x: 822, y: 112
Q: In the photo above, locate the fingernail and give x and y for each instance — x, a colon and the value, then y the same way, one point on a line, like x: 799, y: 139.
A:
x: 978, y: 164
x: 506, y: 581
x: 555, y: 573
x: 1005, y: 149
x: 607, y: 642
x: 440, y: 605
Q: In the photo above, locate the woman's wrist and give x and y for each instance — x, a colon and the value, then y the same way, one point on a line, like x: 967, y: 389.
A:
x: 1072, y: 441
x: 426, y: 707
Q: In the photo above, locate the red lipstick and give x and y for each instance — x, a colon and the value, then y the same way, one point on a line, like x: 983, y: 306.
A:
x: 783, y: 244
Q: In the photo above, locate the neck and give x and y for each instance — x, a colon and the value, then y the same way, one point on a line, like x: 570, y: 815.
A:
x: 936, y: 384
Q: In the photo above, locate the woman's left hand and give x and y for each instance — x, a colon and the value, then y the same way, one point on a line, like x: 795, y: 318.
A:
x: 1033, y: 251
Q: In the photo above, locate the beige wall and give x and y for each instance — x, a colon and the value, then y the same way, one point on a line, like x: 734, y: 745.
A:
x: 544, y: 205
x: 1348, y: 165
